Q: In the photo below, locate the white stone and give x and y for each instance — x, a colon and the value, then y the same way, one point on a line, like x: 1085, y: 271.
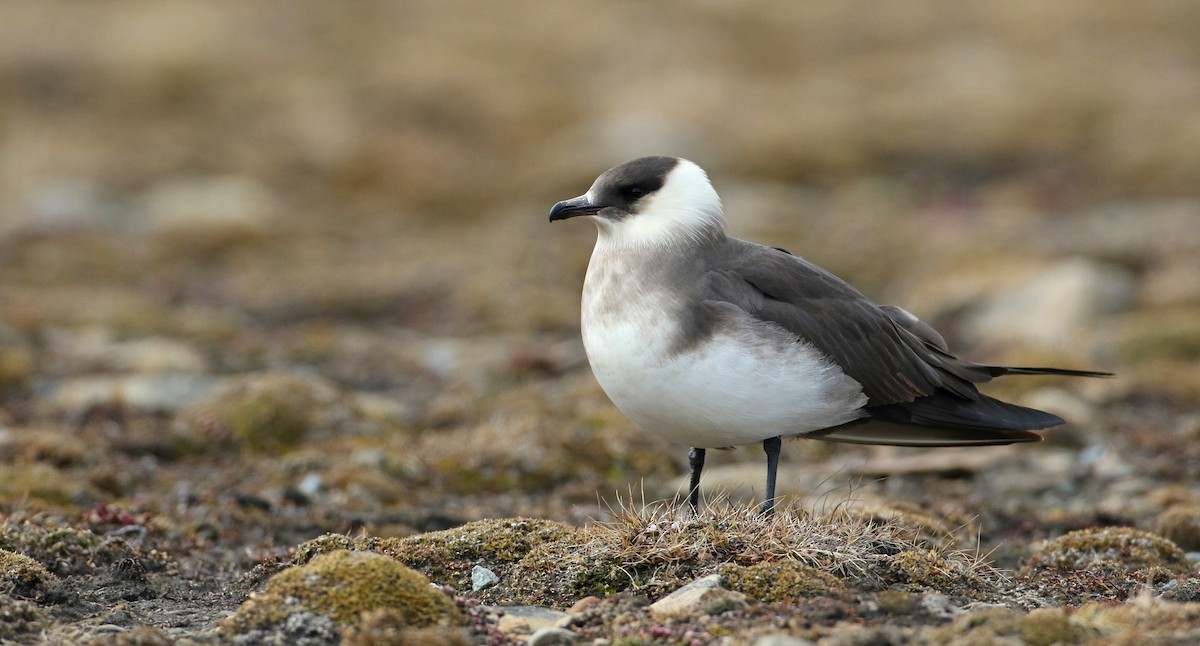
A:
x: 695, y: 597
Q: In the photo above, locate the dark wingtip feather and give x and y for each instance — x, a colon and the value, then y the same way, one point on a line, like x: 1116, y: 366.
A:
x: 944, y: 419
x: 944, y: 410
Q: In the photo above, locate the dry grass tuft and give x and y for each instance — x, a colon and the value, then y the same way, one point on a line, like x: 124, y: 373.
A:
x: 660, y: 540
x: 835, y: 541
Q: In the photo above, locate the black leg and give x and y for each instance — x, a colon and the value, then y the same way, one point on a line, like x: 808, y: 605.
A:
x: 696, y: 461
x: 771, y: 447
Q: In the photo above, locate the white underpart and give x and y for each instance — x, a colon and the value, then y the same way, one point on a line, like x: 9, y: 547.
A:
x: 748, y: 382
x: 682, y: 209
x: 751, y: 380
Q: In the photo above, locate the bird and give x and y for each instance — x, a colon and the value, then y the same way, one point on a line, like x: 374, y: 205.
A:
x: 710, y: 341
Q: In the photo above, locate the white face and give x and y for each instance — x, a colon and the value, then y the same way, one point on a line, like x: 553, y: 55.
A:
x: 686, y: 209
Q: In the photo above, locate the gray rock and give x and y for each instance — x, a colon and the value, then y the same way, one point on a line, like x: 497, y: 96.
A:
x: 551, y: 637
x: 165, y: 393
x: 482, y: 577
x: 526, y: 620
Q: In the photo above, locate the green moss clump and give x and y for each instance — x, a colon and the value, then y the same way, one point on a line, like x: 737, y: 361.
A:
x: 448, y: 556
x: 22, y: 576
x: 342, y: 585
x: 1145, y: 620
x: 268, y: 421
x: 39, y: 481
x: 1181, y: 524
x: 928, y: 569
x: 19, y: 618
x: 987, y: 626
x: 1121, y: 550
x: 17, y: 367
x: 1047, y: 626
x: 265, y: 413
x: 780, y: 581
x: 330, y: 543
x: 562, y: 570
x: 897, y: 602
x: 1107, y: 563
x: 597, y: 575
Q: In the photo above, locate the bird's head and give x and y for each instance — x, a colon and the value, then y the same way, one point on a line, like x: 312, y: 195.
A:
x: 648, y: 202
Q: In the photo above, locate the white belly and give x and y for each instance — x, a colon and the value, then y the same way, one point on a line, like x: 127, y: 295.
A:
x: 747, y: 382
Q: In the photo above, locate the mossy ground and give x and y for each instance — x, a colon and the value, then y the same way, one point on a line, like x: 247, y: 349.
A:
x: 1109, y: 563
x: 267, y: 277
x: 782, y: 581
x: 23, y: 577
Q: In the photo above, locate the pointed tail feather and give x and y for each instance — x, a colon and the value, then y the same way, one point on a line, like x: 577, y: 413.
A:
x: 1000, y: 371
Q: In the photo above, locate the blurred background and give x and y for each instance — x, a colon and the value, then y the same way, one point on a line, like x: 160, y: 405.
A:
x: 312, y: 236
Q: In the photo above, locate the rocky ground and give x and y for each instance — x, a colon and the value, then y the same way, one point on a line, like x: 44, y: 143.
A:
x: 285, y: 335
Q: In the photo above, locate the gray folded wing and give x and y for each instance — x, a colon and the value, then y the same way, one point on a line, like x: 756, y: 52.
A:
x: 918, y: 393
x: 891, y: 353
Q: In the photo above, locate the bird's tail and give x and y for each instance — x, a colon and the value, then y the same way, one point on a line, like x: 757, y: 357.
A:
x: 1000, y: 371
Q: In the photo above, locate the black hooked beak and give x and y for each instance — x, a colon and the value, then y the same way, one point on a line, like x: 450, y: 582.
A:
x: 574, y: 207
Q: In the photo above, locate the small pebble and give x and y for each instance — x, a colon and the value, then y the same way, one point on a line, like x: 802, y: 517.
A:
x: 482, y: 577
x: 310, y: 485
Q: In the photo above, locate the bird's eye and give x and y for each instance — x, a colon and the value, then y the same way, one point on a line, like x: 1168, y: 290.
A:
x: 634, y: 191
